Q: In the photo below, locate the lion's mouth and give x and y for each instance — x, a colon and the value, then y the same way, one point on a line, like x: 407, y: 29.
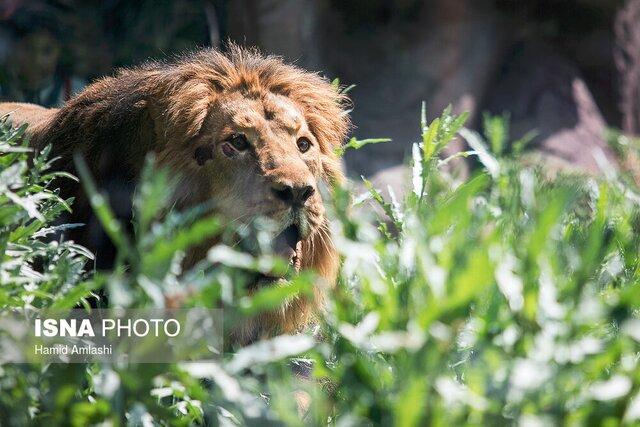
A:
x: 287, y: 245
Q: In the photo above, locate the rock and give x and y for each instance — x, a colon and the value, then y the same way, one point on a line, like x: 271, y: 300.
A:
x: 443, y: 52
x: 395, y: 178
x: 544, y: 92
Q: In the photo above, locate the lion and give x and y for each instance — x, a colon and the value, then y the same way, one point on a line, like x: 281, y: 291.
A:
x: 247, y: 131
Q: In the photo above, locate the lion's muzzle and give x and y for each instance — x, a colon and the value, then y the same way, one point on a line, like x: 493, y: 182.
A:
x: 295, y: 195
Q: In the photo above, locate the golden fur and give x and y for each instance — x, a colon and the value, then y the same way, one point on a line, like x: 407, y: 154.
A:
x: 197, y: 102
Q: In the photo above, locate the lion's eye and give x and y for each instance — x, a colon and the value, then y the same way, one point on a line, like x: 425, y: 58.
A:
x: 239, y: 142
x: 202, y: 154
x: 303, y: 145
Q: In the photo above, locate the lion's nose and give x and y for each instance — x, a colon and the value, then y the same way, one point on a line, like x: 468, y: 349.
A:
x: 292, y: 194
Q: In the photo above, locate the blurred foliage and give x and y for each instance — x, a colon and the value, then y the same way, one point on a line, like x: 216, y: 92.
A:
x: 508, y: 298
x: 51, y: 49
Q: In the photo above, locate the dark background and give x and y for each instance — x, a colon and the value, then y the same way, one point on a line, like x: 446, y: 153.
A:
x: 567, y: 69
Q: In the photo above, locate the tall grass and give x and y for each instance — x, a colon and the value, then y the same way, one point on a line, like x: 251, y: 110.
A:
x: 508, y: 298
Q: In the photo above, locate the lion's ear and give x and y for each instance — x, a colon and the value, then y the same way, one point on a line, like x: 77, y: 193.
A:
x: 180, y: 115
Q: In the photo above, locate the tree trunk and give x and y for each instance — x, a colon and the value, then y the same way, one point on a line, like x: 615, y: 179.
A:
x: 627, y: 58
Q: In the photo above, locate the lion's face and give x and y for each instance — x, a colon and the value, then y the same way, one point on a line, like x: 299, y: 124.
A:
x: 255, y: 157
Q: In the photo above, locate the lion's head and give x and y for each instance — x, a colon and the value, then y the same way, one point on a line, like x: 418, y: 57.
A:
x: 255, y: 136
x: 258, y: 138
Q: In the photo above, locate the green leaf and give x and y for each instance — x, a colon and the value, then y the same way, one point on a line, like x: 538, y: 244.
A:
x: 356, y: 144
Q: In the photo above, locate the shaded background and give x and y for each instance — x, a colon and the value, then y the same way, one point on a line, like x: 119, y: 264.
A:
x: 566, y: 69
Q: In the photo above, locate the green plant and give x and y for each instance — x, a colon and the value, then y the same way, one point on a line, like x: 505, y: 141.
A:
x: 36, y: 270
x: 509, y: 298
